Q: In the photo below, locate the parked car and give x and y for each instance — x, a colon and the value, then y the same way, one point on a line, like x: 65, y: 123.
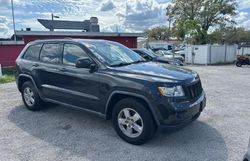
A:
x: 169, y: 54
x: 181, y: 53
x: 247, y: 155
x: 158, y: 48
x: 109, y: 79
x: 151, y: 56
x: 243, y: 60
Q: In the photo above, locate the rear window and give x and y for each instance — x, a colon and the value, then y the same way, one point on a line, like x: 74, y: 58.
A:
x: 32, y: 53
x: 51, y: 53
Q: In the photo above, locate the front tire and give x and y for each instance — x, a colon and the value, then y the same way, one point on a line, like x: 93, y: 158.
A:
x: 133, y: 121
x: 30, y: 97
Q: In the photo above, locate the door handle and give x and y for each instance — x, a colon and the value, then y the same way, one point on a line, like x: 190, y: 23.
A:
x: 35, y: 65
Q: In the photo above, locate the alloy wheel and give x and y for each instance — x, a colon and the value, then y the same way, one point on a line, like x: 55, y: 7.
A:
x: 130, y: 122
x: 29, y: 97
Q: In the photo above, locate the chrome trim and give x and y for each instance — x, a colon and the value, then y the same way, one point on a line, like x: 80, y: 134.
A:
x: 199, y: 100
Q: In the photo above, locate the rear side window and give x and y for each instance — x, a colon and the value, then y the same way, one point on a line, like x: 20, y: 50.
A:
x: 32, y: 53
x: 51, y: 53
x: 71, y: 53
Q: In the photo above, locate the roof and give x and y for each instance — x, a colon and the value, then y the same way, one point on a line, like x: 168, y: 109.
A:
x: 80, y: 40
x: 73, y: 33
x: 70, y: 39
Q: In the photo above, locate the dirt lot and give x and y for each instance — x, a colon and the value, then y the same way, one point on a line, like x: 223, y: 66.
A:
x: 61, y: 133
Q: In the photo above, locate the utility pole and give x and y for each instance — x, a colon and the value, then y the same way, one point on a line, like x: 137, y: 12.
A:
x: 52, y: 18
x: 13, y: 17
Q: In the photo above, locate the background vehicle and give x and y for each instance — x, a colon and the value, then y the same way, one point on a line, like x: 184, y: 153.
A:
x: 243, y: 60
x: 157, y: 49
x: 109, y: 79
x: 169, y: 54
x: 151, y: 56
x: 181, y: 53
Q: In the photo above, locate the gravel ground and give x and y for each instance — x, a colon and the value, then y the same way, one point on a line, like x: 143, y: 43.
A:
x: 60, y: 133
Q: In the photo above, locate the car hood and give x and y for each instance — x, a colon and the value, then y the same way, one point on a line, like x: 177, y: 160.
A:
x: 165, y: 59
x: 156, y: 71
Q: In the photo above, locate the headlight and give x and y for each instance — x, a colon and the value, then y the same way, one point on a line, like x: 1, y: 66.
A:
x: 175, y: 91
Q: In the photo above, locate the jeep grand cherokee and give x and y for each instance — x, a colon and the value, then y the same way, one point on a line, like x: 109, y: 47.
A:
x: 111, y: 80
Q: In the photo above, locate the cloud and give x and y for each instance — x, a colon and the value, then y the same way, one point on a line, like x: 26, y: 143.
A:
x: 106, y: 6
x: 5, y: 31
x: 128, y: 15
x: 140, y: 15
x: 243, y: 4
x: 4, y: 2
x: 241, y: 16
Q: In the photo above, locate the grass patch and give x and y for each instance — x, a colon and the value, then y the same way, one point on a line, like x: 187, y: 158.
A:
x: 7, y: 79
x: 8, y: 75
x: 8, y: 70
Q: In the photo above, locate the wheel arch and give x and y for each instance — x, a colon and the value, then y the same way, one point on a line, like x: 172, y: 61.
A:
x: 116, y: 96
x: 23, y: 78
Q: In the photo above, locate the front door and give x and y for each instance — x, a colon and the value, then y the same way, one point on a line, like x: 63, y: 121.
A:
x: 78, y: 86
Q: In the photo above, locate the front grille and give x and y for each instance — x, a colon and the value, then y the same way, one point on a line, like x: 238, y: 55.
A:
x: 194, y: 90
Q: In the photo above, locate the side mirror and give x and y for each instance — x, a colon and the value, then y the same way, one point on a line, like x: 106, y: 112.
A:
x: 86, y: 63
x: 83, y: 63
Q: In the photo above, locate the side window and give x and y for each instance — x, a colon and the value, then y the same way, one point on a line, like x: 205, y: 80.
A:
x: 51, y: 53
x: 32, y: 53
x: 71, y: 53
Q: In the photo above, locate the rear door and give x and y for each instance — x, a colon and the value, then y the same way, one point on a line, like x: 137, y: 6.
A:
x: 47, y: 70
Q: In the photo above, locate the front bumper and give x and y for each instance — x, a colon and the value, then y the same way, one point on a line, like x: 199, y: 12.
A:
x: 178, y: 114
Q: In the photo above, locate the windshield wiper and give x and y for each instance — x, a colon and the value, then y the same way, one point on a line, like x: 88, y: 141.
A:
x: 119, y: 64
x: 123, y: 64
x: 138, y: 61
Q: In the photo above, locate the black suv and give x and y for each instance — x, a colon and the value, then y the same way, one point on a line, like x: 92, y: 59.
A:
x: 111, y: 80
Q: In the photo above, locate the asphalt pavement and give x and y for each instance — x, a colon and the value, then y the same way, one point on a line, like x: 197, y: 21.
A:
x: 60, y: 133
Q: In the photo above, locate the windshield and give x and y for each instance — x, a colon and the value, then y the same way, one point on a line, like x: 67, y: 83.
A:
x: 113, y: 54
x: 149, y: 52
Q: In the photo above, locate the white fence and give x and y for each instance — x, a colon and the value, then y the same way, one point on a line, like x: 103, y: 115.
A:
x: 210, y: 54
x: 244, y: 50
x: 1, y: 74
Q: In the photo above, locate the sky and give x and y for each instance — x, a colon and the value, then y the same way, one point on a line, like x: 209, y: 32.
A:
x: 124, y: 15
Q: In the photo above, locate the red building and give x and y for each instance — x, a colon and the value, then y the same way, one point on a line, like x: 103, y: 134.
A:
x: 10, y: 50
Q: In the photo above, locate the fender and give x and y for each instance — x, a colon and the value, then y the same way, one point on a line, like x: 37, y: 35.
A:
x: 32, y: 80
x: 134, y: 95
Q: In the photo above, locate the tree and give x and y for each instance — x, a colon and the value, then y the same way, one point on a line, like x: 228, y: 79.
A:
x: 158, y: 33
x: 230, y: 35
x: 207, y: 13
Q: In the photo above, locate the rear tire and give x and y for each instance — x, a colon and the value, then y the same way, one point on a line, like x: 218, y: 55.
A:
x: 133, y: 121
x: 30, y: 97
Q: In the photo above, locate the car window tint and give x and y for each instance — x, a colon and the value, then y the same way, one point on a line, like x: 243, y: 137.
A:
x: 51, y: 53
x: 71, y: 53
x: 32, y: 53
